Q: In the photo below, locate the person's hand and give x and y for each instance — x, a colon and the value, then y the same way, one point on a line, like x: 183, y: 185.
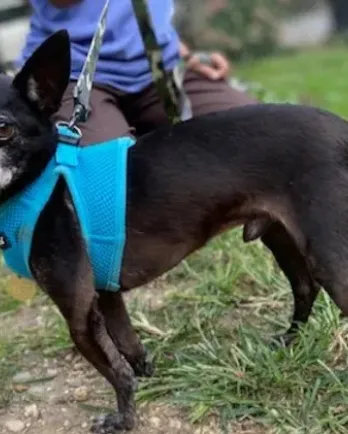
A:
x: 213, y: 66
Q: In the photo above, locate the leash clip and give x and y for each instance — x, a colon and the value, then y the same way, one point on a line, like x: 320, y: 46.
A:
x: 80, y: 114
x: 68, y: 133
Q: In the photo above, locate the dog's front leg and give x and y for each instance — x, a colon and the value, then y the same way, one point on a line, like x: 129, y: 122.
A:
x: 120, y: 329
x: 61, y: 267
x: 88, y: 331
x: 295, y: 268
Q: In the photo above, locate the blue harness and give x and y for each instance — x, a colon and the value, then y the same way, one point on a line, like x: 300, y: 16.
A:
x: 96, y: 179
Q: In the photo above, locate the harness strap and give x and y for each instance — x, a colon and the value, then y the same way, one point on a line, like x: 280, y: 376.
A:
x: 101, y: 211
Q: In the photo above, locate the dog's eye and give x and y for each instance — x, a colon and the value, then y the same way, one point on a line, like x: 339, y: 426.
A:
x: 6, y: 130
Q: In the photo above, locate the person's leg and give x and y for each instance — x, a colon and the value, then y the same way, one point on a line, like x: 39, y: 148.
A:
x: 208, y: 96
x: 145, y: 111
x: 105, y: 121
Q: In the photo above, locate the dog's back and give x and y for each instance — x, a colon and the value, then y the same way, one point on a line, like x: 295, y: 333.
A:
x: 190, y: 182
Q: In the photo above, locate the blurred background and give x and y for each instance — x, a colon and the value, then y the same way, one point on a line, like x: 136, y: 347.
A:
x: 243, y: 29
x: 282, y: 50
x: 254, y: 28
x: 14, y: 22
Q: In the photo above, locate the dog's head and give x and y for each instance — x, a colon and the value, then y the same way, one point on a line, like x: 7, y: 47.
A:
x: 27, y: 102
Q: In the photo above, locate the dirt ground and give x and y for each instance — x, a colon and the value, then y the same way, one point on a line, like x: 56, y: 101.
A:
x: 64, y: 394
x: 70, y: 395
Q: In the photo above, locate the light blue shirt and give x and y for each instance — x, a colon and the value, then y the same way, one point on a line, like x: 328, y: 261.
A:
x: 122, y: 63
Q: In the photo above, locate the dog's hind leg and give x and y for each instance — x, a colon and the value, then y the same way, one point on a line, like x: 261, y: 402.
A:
x: 120, y: 329
x: 294, y: 266
x: 61, y: 267
x: 324, y: 225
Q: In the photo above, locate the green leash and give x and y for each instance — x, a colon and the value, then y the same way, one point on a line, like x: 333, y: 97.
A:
x: 169, y: 85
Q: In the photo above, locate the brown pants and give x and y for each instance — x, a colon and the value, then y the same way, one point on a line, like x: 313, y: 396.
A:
x: 115, y: 113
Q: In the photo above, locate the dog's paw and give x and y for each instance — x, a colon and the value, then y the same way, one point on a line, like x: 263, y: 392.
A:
x: 281, y: 341
x: 144, y: 366
x: 111, y: 423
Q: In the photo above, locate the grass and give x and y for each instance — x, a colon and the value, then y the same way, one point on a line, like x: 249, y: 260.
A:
x: 317, y: 77
x: 212, y: 354
x: 210, y: 338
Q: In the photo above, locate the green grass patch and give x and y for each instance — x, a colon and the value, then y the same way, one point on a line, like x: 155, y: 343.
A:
x: 7, y: 303
x: 315, y: 77
x: 210, y: 365
x: 7, y: 369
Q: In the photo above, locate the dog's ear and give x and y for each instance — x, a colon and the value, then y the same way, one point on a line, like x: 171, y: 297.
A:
x: 45, y: 75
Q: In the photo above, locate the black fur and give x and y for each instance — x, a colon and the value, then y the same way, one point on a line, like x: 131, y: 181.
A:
x: 281, y: 171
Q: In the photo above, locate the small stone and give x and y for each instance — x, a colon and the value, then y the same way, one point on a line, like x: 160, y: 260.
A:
x: 14, y: 426
x: 37, y: 391
x: 22, y: 377
x: 66, y: 423
x: 32, y: 411
x: 84, y: 425
x: 90, y: 374
x: 52, y: 373
x: 20, y: 387
x: 155, y: 421
x: 73, y: 381
x: 78, y: 366
x: 81, y: 393
x: 68, y: 357
x: 175, y: 424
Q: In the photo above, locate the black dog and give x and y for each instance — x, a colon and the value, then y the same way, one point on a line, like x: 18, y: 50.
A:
x: 281, y: 171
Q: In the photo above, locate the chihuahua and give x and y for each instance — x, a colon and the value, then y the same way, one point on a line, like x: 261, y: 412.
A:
x: 278, y: 170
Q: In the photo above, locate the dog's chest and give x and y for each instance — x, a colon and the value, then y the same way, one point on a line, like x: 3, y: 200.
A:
x: 96, y: 179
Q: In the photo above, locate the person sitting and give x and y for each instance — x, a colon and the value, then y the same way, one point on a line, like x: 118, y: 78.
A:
x: 124, y: 96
